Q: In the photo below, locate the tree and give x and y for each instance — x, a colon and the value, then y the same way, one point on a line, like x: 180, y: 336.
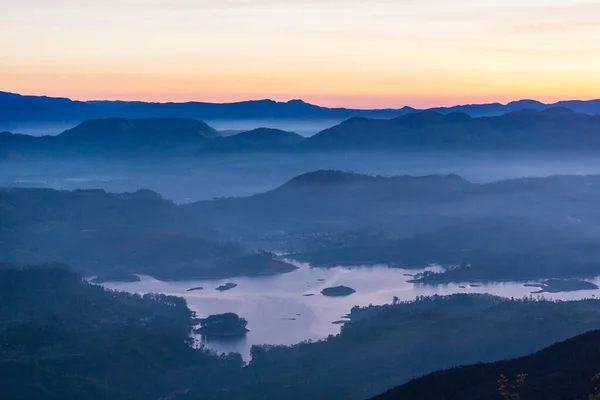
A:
x: 509, y: 391
x: 596, y: 383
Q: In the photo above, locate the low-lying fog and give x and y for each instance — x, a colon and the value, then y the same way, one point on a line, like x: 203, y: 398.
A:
x: 301, y: 127
x: 206, y: 177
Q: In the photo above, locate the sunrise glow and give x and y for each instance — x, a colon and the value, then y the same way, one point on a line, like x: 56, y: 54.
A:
x: 329, y: 52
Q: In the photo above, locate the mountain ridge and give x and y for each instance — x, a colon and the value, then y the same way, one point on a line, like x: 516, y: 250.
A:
x: 555, y: 129
x: 551, y: 128
x: 562, y: 370
x: 16, y: 108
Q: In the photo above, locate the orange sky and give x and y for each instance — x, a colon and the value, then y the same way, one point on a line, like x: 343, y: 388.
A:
x: 357, y: 53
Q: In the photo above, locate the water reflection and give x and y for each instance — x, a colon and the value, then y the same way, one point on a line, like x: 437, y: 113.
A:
x: 279, y: 309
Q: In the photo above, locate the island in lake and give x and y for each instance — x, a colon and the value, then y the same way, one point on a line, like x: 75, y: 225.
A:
x: 228, y: 324
x: 338, y: 291
x: 226, y: 286
x: 562, y: 285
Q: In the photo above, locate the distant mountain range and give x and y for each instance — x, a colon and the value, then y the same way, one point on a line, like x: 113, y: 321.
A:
x: 552, y: 129
x: 17, y: 109
x: 555, y: 128
x: 149, y: 136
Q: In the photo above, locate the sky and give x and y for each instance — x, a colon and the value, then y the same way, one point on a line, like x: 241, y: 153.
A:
x: 355, y: 53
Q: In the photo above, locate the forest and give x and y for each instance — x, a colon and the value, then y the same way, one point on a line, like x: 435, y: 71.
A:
x: 62, y: 336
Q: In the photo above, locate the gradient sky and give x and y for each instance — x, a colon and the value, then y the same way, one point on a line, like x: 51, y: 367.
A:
x: 362, y: 53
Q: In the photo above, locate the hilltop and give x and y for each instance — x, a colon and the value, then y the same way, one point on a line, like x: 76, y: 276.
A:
x: 157, y: 131
x: 261, y: 139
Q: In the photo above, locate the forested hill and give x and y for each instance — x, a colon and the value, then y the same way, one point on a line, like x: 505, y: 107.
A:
x: 553, y: 129
x: 99, y: 233
x: 396, y: 343
x: 63, y: 338
x: 559, y: 372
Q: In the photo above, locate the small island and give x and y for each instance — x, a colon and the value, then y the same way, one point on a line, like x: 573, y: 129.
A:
x: 195, y: 288
x: 227, y: 325
x: 562, y: 285
x: 115, y: 276
x: 338, y: 291
x: 226, y: 286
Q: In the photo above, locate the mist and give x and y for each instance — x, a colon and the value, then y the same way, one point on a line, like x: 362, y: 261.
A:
x: 225, y: 175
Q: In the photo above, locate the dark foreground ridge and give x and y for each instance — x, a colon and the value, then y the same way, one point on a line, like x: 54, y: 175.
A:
x: 64, y: 338
x: 561, y: 371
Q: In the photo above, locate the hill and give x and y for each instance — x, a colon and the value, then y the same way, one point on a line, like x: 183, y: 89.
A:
x: 103, y: 233
x: 112, y: 136
x: 261, y: 139
x: 151, y: 136
x: 559, y: 372
x: 397, y: 343
x: 555, y: 128
x: 61, y: 337
x: 135, y: 132
x: 528, y: 228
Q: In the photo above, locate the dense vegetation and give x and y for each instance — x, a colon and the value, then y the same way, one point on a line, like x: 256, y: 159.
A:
x: 388, y: 345
x: 228, y: 325
x: 109, y: 234
x: 528, y: 228
x: 61, y: 337
x: 559, y: 372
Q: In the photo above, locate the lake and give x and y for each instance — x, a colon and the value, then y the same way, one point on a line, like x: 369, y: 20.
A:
x: 279, y: 312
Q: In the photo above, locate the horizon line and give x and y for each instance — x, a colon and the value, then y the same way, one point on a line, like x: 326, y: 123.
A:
x: 92, y: 100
